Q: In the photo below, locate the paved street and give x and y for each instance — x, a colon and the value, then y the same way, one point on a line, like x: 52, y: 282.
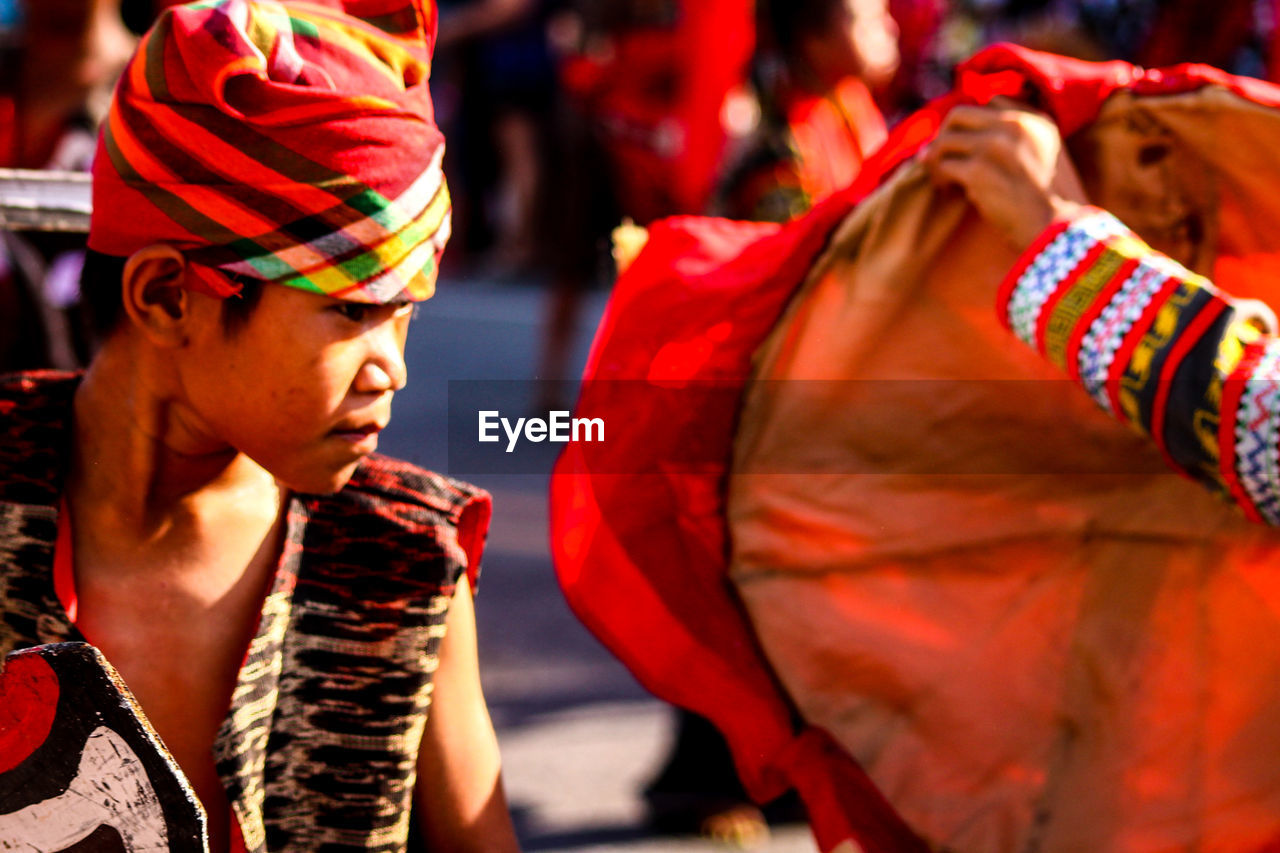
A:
x: 579, y: 736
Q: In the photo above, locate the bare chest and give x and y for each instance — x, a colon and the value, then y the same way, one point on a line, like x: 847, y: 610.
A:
x: 180, y: 655
x: 183, y: 678
x: 177, y: 635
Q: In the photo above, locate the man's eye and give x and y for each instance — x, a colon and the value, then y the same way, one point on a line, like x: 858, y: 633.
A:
x: 353, y: 311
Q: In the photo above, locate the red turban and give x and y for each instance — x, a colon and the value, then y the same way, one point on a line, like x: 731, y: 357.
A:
x: 291, y: 143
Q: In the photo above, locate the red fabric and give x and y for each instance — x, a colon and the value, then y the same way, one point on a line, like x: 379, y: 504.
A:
x: 1273, y: 49
x: 28, y: 705
x: 1232, y: 389
x: 834, y: 136
x: 640, y: 541
x: 1072, y: 90
x: 237, y: 837
x: 830, y: 136
x: 8, y: 132
x: 473, y: 528
x: 64, y: 578
x: 641, y: 554
x: 1024, y: 261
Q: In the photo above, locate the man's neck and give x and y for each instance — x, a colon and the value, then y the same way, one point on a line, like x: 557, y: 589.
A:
x: 176, y: 540
x: 140, y: 456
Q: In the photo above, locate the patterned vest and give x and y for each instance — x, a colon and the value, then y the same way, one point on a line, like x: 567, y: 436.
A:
x: 318, y: 750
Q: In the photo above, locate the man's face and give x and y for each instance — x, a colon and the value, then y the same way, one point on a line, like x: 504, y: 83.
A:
x: 861, y: 40
x: 303, y: 388
x: 874, y: 37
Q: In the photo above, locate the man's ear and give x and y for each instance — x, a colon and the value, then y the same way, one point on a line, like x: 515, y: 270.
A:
x: 153, y: 295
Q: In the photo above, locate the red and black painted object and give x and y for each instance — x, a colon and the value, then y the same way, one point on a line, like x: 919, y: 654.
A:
x: 81, y: 769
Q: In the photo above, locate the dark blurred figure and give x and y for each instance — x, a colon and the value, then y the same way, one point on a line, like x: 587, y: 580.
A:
x: 60, y: 61
x: 499, y: 107
x: 648, y: 89
x: 532, y: 197
x: 1235, y: 35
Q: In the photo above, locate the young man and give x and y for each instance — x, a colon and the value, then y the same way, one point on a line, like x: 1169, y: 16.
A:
x: 202, y: 505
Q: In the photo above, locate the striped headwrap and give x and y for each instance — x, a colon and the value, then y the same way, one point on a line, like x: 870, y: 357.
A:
x: 292, y: 143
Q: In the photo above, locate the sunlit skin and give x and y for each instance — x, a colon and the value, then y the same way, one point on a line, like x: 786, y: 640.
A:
x: 187, y: 441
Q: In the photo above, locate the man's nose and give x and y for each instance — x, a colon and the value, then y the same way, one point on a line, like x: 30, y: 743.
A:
x: 384, y: 370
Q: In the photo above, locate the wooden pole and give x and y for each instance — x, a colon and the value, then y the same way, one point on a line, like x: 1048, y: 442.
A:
x: 33, y: 200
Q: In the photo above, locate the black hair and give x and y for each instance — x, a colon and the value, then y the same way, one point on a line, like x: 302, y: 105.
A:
x: 789, y: 21
x: 101, y: 284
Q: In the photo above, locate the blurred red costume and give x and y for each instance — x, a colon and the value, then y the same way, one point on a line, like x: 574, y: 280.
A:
x: 656, y: 96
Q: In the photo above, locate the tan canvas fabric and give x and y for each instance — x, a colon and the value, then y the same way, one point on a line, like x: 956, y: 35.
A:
x: 1030, y: 634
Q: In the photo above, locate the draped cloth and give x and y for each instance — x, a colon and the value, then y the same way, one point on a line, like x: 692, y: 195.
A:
x: 977, y: 613
x: 292, y: 143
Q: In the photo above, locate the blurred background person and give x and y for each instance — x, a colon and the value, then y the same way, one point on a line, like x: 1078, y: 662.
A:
x: 641, y: 130
x: 64, y: 59
x: 500, y: 92
x: 533, y: 195
x: 818, y: 63
x: 653, y: 78
x: 58, y: 62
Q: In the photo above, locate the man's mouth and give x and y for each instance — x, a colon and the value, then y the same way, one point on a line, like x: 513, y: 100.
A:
x: 361, y: 437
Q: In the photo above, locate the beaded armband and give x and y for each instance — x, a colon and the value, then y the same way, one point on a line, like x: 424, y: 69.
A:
x: 1157, y: 347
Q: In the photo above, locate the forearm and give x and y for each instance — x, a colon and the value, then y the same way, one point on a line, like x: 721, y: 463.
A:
x: 1158, y: 347
x: 459, y: 792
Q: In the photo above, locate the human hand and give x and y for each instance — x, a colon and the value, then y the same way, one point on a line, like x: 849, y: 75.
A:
x: 1011, y: 165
